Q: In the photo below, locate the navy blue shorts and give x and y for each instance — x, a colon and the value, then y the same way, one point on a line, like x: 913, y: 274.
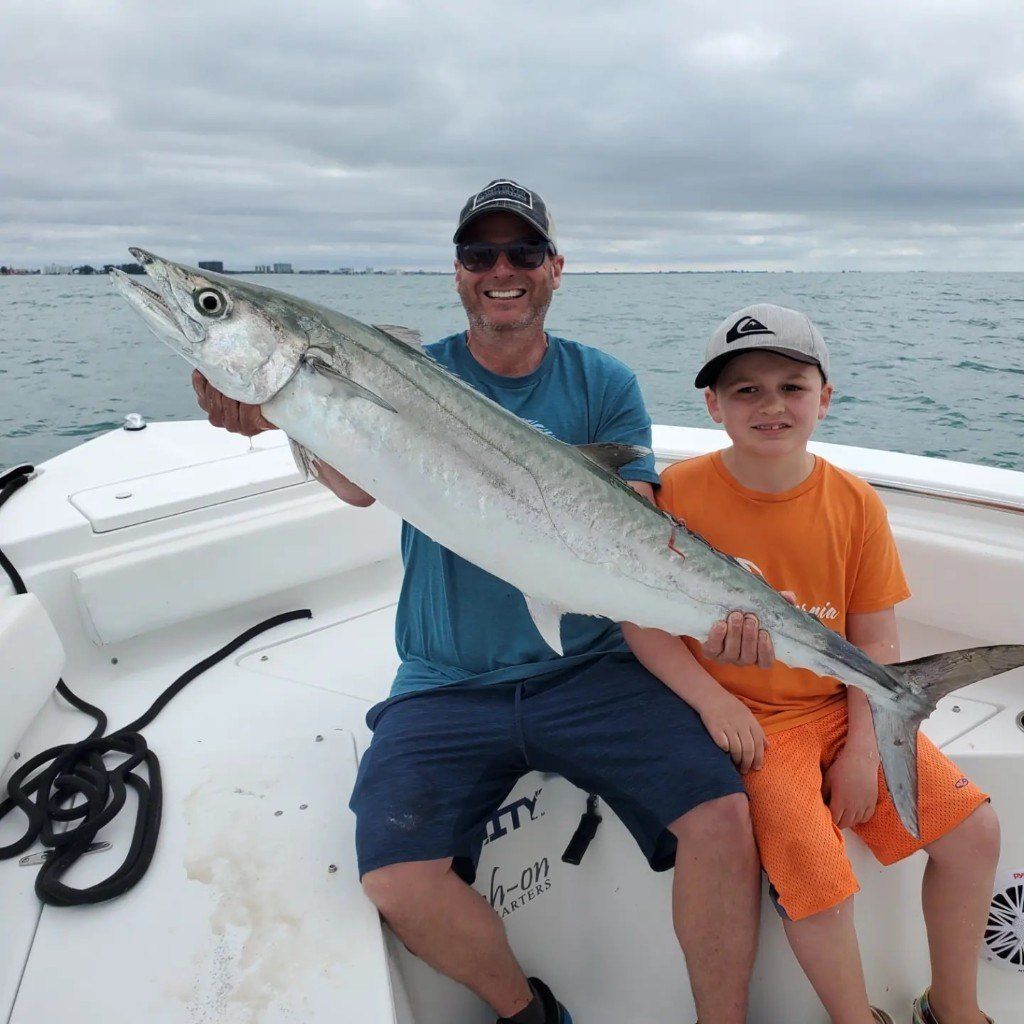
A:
x: 443, y: 760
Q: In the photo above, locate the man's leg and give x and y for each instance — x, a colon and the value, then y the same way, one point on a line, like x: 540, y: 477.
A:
x: 438, y: 767
x: 452, y: 927
x: 614, y: 730
x: 716, y: 897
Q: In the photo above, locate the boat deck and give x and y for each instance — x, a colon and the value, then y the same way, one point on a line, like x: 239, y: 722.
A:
x: 251, y: 910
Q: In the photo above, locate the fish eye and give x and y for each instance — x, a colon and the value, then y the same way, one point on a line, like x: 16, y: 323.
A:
x: 211, y: 302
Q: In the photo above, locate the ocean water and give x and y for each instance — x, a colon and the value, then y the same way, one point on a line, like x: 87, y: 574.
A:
x: 930, y: 364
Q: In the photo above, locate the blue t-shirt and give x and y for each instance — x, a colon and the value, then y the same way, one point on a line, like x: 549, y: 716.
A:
x: 456, y: 622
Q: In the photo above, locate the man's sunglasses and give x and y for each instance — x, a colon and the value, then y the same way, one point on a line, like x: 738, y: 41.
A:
x: 477, y: 257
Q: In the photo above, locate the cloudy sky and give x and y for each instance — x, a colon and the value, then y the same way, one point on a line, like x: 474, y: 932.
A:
x: 777, y: 135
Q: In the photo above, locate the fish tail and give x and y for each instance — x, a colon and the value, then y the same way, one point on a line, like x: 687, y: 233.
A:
x: 897, y: 747
x: 936, y: 676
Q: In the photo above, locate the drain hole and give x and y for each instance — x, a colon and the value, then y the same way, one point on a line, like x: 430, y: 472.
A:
x: 1020, y: 721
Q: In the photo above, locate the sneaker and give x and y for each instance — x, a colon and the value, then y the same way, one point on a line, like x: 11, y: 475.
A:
x: 554, y: 1011
x: 880, y: 1016
x: 923, y: 1012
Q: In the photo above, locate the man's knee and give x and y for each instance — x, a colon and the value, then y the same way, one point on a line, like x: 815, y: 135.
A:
x: 722, y: 823
x: 397, y: 887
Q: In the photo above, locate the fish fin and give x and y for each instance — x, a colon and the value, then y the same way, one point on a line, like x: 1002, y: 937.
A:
x: 303, y: 459
x: 940, y: 674
x: 406, y: 335
x: 610, y: 456
x: 548, y: 620
x: 897, y: 747
x: 349, y: 386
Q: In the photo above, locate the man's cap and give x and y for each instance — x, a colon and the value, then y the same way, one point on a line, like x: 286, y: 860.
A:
x: 505, y: 194
x: 767, y: 328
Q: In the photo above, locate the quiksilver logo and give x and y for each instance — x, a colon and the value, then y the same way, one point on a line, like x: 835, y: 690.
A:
x: 744, y: 326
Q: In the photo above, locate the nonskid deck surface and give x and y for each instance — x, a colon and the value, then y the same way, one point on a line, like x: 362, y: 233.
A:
x: 241, y: 918
x: 251, y: 909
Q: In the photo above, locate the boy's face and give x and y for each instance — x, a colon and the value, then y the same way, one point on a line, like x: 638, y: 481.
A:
x: 769, y: 404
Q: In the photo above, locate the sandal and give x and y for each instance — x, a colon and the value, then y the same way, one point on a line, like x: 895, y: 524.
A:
x: 923, y: 1012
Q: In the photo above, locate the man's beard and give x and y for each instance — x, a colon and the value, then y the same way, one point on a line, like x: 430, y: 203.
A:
x: 534, y: 315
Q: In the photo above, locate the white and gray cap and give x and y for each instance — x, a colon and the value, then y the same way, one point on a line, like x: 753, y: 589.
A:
x: 768, y: 328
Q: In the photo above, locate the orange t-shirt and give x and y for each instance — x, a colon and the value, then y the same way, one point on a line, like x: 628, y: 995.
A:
x: 828, y: 540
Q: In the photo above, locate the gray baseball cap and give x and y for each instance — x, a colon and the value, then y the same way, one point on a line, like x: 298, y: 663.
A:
x: 505, y: 194
x: 768, y: 328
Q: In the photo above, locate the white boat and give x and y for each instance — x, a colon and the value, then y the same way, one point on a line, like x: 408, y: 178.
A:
x: 145, y: 551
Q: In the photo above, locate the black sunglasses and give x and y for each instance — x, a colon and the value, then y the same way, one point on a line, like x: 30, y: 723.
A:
x: 477, y: 257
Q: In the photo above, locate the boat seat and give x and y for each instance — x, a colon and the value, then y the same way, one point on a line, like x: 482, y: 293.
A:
x: 32, y: 658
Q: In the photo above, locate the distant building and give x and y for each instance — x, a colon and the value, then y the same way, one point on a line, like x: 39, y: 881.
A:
x: 217, y: 266
x: 344, y: 270
x: 283, y: 268
x: 57, y: 268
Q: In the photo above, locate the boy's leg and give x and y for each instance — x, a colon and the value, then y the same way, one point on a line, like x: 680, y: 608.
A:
x: 613, y: 729
x: 960, y: 832
x: 439, y: 765
x: 825, y: 945
x: 450, y: 926
x: 804, y: 856
x: 955, y: 897
x: 716, y: 904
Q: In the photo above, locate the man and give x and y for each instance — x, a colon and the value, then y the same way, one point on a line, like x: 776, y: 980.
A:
x: 480, y: 698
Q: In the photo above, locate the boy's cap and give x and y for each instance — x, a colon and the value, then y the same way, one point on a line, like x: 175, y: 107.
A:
x: 505, y: 194
x: 766, y: 327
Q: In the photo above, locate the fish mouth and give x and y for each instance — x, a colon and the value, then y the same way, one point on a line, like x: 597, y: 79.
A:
x: 152, y: 305
x: 163, y: 305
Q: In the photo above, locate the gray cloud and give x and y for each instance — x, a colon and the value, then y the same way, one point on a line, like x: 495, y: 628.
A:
x: 775, y: 135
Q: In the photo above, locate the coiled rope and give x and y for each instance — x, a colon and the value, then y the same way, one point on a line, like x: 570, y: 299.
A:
x: 72, y: 783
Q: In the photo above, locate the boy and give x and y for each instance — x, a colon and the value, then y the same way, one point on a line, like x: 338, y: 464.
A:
x: 815, y: 530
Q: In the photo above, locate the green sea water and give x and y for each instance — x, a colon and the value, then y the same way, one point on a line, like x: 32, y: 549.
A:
x: 931, y: 364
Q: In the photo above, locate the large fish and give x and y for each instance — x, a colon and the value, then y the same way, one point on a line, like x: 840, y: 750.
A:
x: 552, y: 520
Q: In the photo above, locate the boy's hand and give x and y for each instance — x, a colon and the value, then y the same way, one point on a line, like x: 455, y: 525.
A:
x: 739, y: 640
x: 850, y: 787
x: 734, y: 728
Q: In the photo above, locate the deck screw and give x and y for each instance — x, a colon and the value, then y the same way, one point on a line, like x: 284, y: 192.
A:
x: 17, y: 754
x: 277, y: 814
x: 302, y: 807
x: 319, y: 739
x: 113, y: 661
x: 264, y: 657
x: 956, y: 709
x: 332, y: 868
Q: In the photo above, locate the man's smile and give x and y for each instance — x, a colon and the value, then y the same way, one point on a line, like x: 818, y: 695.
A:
x: 505, y: 293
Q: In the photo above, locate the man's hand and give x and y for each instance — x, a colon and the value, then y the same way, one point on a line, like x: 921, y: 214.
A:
x: 733, y: 727
x: 850, y: 787
x: 236, y: 417
x: 739, y: 640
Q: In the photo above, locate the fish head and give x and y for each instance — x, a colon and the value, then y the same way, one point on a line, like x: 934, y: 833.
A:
x: 246, y: 340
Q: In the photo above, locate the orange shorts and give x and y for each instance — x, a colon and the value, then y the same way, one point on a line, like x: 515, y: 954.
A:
x: 802, y: 851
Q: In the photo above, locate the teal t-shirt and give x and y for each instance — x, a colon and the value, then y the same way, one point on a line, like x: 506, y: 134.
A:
x: 457, y: 623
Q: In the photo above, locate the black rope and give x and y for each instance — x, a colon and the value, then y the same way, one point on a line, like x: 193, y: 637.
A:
x: 48, y: 788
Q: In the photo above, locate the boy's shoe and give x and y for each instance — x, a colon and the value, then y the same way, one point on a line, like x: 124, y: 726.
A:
x: 554, y: 1011
x: 923, y: 1011
x: 880, y: 1016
